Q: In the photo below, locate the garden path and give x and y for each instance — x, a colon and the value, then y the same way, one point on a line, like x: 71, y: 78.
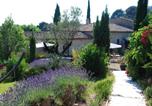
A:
x: 125, y: 91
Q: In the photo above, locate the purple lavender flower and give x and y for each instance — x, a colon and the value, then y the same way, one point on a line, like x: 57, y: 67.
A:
x: 39, y: 62
x: 13, y: 96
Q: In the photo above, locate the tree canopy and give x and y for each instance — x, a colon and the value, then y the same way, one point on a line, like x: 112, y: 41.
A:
x: 65, y: 30
x: 141, y: 13
x: 57, y: 15
x: 12, y: 38
x: 118, y: 13
x: 88, y: 13
x: 102, y: 31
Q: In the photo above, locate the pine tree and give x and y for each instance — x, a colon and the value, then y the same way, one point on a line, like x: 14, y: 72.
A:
x: 57, y: 15
x: 141, y: 13
x: 88, y: 21
x: 32, y: 48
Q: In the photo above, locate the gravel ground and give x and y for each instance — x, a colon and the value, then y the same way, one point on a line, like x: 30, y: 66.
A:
x: 125, y: 91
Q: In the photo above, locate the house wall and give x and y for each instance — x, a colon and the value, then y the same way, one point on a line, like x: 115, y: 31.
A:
x: 117, y: 35
x: 79, y: 43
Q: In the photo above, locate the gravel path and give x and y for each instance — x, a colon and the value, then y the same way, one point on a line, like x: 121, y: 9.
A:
x: 125, y: 92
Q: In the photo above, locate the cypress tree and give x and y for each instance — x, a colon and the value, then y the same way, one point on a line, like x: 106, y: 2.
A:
x: 107, y: 31
x: 141, y: 13
x: 88, y: 21
x: 96, y: 32
x: 57, y: 15
x: 32, y: 48
x: 104, y: 32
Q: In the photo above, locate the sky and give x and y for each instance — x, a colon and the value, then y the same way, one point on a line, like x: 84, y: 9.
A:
x: 36, y: 11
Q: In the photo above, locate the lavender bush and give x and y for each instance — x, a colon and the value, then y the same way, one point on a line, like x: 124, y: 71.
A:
x: 40, y: 62
x: 16, y: 96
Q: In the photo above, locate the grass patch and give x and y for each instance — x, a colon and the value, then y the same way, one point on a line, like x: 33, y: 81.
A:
x: 101, y: 90
x: 4, y: 86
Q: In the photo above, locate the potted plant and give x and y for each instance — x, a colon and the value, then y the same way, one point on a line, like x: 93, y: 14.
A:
x: 122, y: 65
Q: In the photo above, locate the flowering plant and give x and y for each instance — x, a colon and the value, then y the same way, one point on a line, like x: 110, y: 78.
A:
x: 146, y: 36
x: 137, y: 56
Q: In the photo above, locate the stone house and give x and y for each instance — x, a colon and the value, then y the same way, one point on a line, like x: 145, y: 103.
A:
x: 118, y: 35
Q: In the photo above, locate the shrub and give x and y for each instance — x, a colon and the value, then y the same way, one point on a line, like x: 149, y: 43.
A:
x: 40, y: 86
x: 12, y: 39
x: 94, y: 60
x: 69, y: 89
x: 149, y: 102
x: 138, y: 57
x: 34, y: 71
x: 22, y: 68
x: 148, y: 92
x: 103, y: 88
x: 32, y: 48
x: 56, y: 61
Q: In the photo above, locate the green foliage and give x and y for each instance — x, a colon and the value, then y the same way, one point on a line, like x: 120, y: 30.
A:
x: 138, y: 57
x: 96, y: 32
x: 102, y: 32
x: 117, y: 14
x: 94, y: 60
x: 65, y: 30
x: 30, y: 28
x: 65, y: 91
x: 57, y: 15
x: 141, y: 13
x: 5, y: 86
x: 69, y: 89
x: 44, y: 26
x: 35, y: 96
x: 12, y: 39
x: 148, y: 92
x: 148, y: 20
x: 103, y: 88
x: 56, y: 61
x: 88, y: 13
x: 34, y: 71
x: 149, y: 102
x: 32, y: 48
x: 21, y: 70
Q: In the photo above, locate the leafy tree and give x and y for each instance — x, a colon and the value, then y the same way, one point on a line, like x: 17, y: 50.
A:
x: 141, y: 13
x: 43, y: 26
x: 65, y: 30
x: 57, y: 15
x: 131, y: 12
x: 12, y: 39
x: 32, y: 48
x: 118, y: 13
x: 88, y: 13
x: 31, y: 28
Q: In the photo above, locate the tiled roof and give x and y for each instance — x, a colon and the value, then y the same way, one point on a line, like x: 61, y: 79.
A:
x: 118, y: 28
x: 122, y: 21
x: 86, y: 27
x: 113, y: 28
